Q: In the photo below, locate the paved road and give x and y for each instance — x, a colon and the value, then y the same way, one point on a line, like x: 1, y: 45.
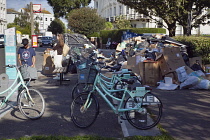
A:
x: 185, y: 113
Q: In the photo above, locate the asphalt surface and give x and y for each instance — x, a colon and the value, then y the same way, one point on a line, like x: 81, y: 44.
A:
x: 185, y: 113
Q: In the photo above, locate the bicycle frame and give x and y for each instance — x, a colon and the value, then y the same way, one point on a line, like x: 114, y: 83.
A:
x: 14, y: 87
x: 99, y: 83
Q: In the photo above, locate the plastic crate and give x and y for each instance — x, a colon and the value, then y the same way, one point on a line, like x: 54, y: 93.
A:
x: 86, y: 73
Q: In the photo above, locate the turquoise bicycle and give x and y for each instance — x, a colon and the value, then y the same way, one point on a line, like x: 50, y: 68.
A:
x: 86, y: 80
x: 30, y: 102
x: 137, y: 105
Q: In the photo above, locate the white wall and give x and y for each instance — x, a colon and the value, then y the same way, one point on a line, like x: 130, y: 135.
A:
x: 105, y: 8
x: 3, y: 21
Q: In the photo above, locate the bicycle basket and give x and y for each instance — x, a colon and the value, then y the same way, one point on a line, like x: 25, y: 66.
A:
x: 86, y: 72
x: 28, y: 72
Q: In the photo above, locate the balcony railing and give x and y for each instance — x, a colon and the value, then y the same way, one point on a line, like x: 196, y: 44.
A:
x: 131, y: 17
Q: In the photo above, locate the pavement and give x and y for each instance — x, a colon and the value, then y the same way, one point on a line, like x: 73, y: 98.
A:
x: 186, y: 114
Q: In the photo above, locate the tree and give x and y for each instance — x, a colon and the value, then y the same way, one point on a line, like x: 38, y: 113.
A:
x: 108, y: 26
x: 193, y: 14
x: 85, y: 21
x: 62, y: 7
x: 56, y: 26
x: 171, y: 11
x: 121, y: 22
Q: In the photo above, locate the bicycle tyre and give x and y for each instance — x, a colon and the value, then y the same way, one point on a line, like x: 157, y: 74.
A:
x: 147, y: 118
x: 81, y: 118
x: 80, y: 88
x: 27, y: 108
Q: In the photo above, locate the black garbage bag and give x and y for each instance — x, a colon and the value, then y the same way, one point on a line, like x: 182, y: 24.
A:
x: 186, y: 58
x: 150, y: 55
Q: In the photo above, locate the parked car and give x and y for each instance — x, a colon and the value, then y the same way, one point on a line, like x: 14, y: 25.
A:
x: 39, y: 40
x: 46, y: 40
x: 2, y: 40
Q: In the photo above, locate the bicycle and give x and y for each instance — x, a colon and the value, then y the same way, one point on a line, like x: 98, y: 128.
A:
x: 86, y: 84
x: 30, y: 102
x: 137, y: 105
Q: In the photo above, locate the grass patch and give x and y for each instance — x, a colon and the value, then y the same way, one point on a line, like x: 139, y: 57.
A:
x: 164, y: 136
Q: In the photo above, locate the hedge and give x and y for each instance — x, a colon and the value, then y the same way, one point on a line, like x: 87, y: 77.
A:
x: 196, y: 46
x: 116, y: 35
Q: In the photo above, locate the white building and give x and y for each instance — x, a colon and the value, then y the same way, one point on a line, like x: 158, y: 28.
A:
x: 3, y: 21
x: 43, y: 19
x: 109, y: 9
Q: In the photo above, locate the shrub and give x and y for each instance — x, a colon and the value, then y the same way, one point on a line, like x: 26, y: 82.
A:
x: 197, y: 46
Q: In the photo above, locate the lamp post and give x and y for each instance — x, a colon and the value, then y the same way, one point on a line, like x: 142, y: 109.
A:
x: 32, y: 18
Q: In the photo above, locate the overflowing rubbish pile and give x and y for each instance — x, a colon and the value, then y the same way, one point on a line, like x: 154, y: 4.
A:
x: 163, y: 62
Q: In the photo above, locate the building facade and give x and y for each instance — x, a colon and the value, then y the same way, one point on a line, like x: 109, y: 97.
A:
x: 109, y: 9
x: 43, y: 19
x: 3, y: 21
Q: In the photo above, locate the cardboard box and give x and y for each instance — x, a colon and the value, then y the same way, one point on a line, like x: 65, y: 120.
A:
x: 170, y: 60
x: 150, y: 73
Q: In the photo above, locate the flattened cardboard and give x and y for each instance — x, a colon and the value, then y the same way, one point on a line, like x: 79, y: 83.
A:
x: 170, y: 60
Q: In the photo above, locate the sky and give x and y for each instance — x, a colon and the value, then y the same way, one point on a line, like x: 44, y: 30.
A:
x: 18, y: 4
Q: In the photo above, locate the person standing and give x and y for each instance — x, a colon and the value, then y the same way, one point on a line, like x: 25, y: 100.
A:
x: 26, y: 54
x: 58, y: 48
x: 58, y: 53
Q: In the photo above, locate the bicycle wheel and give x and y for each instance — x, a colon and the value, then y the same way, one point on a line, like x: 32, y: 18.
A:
x: 148, y: 115
x: 84, y: 116
x: 80, y: 88
x: 32, y: 106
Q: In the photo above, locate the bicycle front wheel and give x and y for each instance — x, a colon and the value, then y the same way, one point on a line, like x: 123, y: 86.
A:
x: 80, y: 88
x: 31, y: 105
x: 148, y: 115
x: 84, y: 110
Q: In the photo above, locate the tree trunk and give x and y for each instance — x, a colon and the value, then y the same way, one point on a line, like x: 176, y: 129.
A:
x: 186, y: 31
x: 172, y: 29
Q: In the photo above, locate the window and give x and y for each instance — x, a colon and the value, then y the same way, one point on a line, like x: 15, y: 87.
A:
x: 127, y: 10
x: 96, y: 5
x: 120, y: 10
x: 114, y: 11
x: 50, y: 19
x: 45, y: 19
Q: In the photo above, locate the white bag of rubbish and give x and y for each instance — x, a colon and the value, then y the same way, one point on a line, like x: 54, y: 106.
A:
x: 190, y: 82
x: 182, y: 74
x: 203, y: 84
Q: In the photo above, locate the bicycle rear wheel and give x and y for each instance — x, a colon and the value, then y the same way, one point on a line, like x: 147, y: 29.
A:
x: 31, y: 106
x: 84, y: 116
x: 80, y: 88
x: 148, y: 115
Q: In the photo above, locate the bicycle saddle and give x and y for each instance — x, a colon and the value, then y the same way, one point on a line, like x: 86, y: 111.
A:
x: 128, y: 81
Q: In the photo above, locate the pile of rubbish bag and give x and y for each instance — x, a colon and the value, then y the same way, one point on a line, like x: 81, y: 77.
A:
x: 172, y: 58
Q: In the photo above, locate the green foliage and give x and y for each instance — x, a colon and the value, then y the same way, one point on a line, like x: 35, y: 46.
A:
x: 115, y: 35
x: 122, y: 23
x: 198, y: 46
x: 108, y: 26
x: 62, y: 7
x: 177, y: 11
x: 85, y: 21
x: 96, y: 34
x: 57, y: 26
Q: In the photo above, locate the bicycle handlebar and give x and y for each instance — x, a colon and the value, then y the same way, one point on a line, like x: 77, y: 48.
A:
x: 10, y: 66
